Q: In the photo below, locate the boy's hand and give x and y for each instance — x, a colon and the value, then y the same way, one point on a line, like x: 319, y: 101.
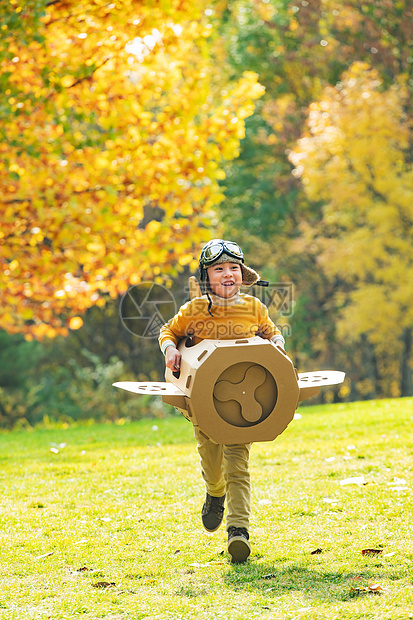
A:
x: 172, y: 358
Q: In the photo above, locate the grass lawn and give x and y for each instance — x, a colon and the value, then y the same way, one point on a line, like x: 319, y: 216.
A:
x: 104, y: 522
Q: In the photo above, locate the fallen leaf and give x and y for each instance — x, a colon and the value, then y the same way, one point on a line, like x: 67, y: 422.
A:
x: 177, y: 551
x: 45, y: 555
x: 104, y: 584
x: 353, y: 480
x: 316, y: 551
x: 375, y: 588
x: 83, y: 569
x: 198, y: 565
x: 371, y: 551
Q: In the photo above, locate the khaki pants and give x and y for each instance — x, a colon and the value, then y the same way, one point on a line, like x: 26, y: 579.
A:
x: 225, y: 471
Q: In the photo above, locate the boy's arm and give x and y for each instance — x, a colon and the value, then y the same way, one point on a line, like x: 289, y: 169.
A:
x: 171, y: 333
x: 168, y: 341
x: 268, y: 330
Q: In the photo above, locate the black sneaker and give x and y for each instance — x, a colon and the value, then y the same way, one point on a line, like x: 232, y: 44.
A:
x: 238, y: 545
x: 212, y: 512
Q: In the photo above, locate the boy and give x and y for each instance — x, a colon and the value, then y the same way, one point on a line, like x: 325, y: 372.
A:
x: 222, y: 313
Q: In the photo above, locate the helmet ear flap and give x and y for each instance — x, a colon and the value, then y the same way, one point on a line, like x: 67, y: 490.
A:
x: 204, y: 280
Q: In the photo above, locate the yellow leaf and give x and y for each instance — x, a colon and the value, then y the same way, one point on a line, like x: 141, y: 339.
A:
x: 75, y: 322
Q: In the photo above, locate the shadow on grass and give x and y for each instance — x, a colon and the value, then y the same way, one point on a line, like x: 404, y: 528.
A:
x: 317, y: 584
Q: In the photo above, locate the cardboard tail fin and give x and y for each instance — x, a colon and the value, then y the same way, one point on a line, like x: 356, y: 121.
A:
x: 194, y: 288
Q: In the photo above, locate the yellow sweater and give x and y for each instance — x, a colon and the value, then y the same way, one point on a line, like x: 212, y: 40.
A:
x: 242, y: 316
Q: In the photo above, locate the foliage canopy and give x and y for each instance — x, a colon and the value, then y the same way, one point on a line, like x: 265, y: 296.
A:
x: 113, y: 129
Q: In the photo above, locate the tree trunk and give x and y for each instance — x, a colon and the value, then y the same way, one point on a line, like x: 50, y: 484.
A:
x: 406, y: 380
x: 370, y: 368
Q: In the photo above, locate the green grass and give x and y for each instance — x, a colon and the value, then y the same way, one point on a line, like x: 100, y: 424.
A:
x: 121, y: 505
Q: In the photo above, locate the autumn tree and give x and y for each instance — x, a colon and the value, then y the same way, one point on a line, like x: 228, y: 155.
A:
x: 114, y: 126
x: 297, y: 49
x: 356, y: 161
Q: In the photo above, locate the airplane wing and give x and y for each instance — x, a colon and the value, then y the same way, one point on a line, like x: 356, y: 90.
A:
x: 161, y: 388
x: 320, y: 378
x: 153, y: 388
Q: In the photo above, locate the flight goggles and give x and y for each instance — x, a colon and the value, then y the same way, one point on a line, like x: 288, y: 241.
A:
x: 213, y: 250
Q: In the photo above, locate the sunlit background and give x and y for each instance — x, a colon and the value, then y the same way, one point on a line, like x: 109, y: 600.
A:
x: 132, y: 132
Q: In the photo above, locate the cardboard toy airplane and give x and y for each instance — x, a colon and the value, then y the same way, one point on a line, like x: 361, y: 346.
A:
x: 236, y: 391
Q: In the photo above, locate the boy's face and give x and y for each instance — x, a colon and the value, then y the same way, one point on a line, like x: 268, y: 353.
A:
x: 225, y: 279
